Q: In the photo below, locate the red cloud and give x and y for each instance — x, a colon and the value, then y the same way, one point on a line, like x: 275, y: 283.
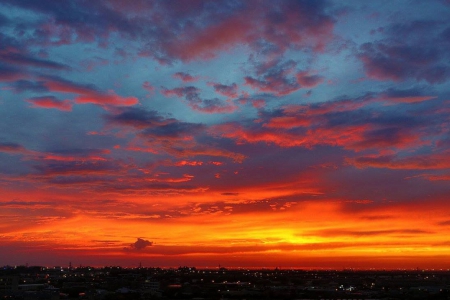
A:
x: 307, y: 80
x: 188, y: 163
x: 185, y: 77
x: 259, y: 103
x: 89, y: 155
x: 204, y: 44
x: 283, y: 25
x: 109, y: 98
x: 419, y: 162
x: 336, y: 123
x: 355, y: 137
x: 88, y: 94
x: 13, y: 148
x: 68, y: 87
x: 288, y: 122
x: 51, y: 102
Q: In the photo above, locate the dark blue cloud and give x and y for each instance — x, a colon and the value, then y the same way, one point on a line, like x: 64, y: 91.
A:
x: 137, y: 117
x: 24, y: 85
x: 419, y: 55
x: 173, y: 130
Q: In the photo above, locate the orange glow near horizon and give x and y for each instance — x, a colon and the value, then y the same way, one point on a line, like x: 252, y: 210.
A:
x: 311, y: 233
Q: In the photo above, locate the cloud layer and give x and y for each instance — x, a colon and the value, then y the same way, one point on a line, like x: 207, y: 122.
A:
x: 246, y: 133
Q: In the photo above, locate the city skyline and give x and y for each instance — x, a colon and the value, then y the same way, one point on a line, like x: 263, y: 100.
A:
x: 303, y: 134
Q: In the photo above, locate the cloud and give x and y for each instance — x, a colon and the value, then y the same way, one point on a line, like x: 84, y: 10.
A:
x: 265, y: 26
x: 230, y: 91
x: 27, y: 204
x: 75, y: 154
x: 188, y: 163
x: 50, y: 102
x: 173, y: 130
x: 88, y: 93
x: 152, y: 124
x: 158, y: 134
x: 185, y: 77
x: 8, y: 73
x: 413, y: 95
x: 366, y: 153
x: 444, y: 223
x: 277, y: 79
x: 191, y: 95
x: 108, y: 98
x: 190, y: 92
x: 22, y: 85
x: 66, y: 24
x: 213, y: 27
x: 29, y: 61
x: 12, y: 148
x: 307, y: 80
x: 281, y: 78
x: 433, y: 161
x: 416, y: 57
x: 356, y: 124
x: 139, y: 245
x: 74, y: 167
x: 138, y: 118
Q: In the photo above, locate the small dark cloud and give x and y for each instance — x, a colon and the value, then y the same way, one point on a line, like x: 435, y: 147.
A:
x: 229, y: 194
x: 226, y: 90
x: 185, y: 77
x: 140, y: 244
x: 412, y: 92
x: 137, y: 117
x: 173, y: 130
x: 22, y: 85
x: 167, y: 134
x: 444, y: 223
x: 27, y: 60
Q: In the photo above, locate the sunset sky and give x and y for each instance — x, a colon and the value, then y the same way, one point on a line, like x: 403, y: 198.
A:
x: 305, y: 134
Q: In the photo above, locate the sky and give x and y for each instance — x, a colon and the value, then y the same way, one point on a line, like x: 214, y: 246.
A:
x: 244, y: 133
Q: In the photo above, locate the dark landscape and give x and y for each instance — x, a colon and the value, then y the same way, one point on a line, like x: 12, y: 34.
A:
x: 34, y: 282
